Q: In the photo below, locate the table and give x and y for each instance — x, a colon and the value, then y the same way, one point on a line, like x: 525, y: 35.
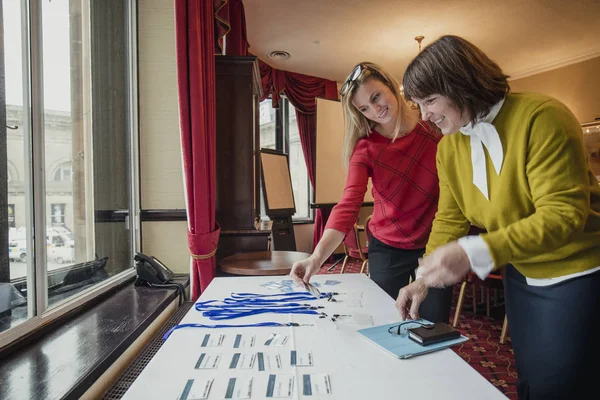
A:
x: 262, y: 262
x: 357, y: 368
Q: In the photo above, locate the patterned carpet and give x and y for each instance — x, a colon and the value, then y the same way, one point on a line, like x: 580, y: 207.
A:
x: 494, y: 361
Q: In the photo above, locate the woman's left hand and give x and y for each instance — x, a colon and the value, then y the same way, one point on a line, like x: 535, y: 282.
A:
x: 447, y: 265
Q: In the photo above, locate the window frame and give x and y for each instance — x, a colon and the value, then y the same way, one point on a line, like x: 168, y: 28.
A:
x: 34, y: 127
x: 282, y: 143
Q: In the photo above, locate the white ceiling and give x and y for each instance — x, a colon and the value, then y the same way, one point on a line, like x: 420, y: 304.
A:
x: 328, y: 37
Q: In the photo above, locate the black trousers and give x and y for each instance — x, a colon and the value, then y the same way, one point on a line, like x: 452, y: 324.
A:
x: 390, y: 268
x: 555, y: 333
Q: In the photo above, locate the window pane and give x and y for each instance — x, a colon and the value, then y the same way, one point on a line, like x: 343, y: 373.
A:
x: 15, y: 266
x: 86, y: 144
x: 85, y: 59
x: 298, y: 169
x: 267, y: 125
x: 267, y: 141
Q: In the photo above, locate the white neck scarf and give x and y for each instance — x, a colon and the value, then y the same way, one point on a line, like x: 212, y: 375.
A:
x: 483, y: 133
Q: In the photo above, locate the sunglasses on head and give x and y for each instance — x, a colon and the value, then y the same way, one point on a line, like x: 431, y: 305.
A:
x: 356, y: 72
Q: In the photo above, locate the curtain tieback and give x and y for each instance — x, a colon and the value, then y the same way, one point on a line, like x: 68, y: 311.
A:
x: 203, y: 246
x: 204, y: 256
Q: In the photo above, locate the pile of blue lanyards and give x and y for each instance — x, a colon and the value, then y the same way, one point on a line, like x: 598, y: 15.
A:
x: 246, y: 304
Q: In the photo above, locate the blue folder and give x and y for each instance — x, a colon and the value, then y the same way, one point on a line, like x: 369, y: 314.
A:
x: 401, y: 346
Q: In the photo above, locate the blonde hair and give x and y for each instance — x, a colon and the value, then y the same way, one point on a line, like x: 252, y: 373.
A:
x: 356, y: 125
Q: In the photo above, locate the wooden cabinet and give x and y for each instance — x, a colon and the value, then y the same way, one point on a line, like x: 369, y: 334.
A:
x: 238, y: 89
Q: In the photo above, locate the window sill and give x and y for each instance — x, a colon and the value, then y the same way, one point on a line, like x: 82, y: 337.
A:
x: 68, y: 360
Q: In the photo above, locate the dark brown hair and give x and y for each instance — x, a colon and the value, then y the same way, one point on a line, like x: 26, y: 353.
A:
x: 459, y: 70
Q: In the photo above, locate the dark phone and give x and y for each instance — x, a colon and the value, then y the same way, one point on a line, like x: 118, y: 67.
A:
x: 149, y: 269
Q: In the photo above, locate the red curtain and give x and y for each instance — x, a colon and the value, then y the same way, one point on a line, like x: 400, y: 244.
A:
x: 194, y: 34
x: 230, y: 20
x: 301, y: 91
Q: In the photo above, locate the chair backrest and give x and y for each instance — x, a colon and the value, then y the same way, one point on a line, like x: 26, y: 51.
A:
x: 352, y: 242
x: 367, y: 229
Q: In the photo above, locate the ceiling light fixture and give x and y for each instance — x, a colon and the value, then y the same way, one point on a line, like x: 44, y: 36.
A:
x: 279, y: 55
x: 419, y: 39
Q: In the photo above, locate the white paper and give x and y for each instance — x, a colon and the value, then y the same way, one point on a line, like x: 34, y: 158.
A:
x: 276, y: 339
x: 244, y: 341
x: 352, y: 294
x: 239, y: 388
x: 208, y: 361
x: 242, y: 361
x: 315, y: 384
x: 280, y: 386
x: 301, y: 358
x: 350, y: 302
x: 213, y: 340
x: 269, y: 362
x: 196, y: 389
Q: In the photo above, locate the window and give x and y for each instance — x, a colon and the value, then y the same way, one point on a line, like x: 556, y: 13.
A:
x: 63, y: 172
x: 298, y: 170
x: 58, y: 214
x: 67, y: 156
x: 279, y: 131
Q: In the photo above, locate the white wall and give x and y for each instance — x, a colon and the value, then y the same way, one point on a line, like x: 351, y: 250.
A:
x: 161, y: 178
x: 576, y: 85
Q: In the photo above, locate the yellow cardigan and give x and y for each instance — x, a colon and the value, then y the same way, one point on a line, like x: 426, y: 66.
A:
x: 544, y: 210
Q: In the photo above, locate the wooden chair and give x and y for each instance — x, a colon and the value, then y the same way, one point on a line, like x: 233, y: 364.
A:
x: 354, y: 249
x: 493, y: 281
x: 369, y: 236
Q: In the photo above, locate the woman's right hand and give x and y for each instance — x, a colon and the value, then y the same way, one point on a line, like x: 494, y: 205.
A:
x: 304, y: 269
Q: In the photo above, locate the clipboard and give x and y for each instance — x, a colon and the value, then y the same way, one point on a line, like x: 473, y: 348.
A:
x: 400, y: 346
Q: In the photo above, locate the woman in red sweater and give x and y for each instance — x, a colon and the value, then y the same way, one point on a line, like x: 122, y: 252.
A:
x: 385, y: 141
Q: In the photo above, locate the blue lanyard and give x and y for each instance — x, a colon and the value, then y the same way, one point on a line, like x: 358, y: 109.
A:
x: 307, y: 295
x: 176, y: 327
x: 216, y: 315
x: 245, y: 306
x: 267, y: 300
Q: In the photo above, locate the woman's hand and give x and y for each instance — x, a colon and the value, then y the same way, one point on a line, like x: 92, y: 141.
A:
x: 410, y: 298
x: 303, y: 270
x: 447, y: 265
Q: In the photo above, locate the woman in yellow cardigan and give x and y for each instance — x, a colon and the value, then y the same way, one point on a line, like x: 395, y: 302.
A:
x: 515, y: 165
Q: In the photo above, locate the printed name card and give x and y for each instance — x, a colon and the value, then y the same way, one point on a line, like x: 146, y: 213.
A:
x: 301, y: 358
x: 208, y: 361
x: 280, y: 386
x: 213, y: 340
x: 315, y: 384
x: 269, y: 362
x: 196, y: 389
x: 244, y: 341
x: 239, y: 388
x: 242, y: 361
x: 276, y: 339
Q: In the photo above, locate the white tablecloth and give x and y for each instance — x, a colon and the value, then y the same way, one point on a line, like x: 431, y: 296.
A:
x: 357, y: 369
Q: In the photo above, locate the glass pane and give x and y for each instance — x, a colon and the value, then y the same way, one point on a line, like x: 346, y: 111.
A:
x: 15, y: 266
x: 267, y: 125
x: 86, y: 144
x: 298, y: 169
x: 267, y: 140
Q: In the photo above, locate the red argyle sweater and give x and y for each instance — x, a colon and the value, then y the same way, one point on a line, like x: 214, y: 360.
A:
x: 405, y: 187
